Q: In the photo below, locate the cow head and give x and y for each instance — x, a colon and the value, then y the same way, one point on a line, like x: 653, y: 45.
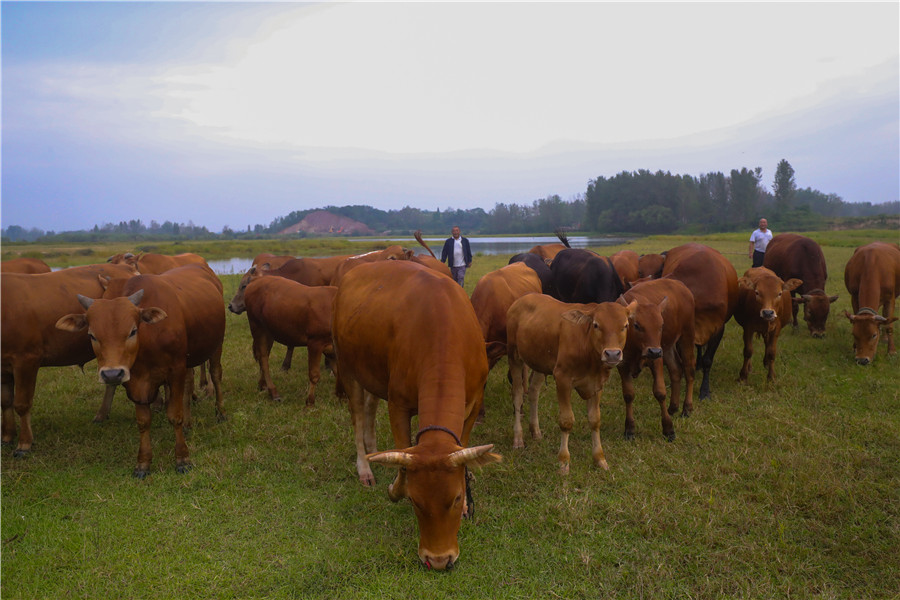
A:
x: 237, y: 305
x: 113, y: 330
x: 434, y: 480
x: 767, y: 291
x: 866, y: 330
x: 607, y: 328
x: 397, y: 253
x: 645, y: 326
x: 816, y: 306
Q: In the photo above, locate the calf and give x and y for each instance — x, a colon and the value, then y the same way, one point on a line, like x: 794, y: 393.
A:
x: 166, y: 325
x: 872, y: 277
x: 290, y: 313
x: 764, y: 307
x: 626, y: 264
x: 661, y: 330
x: 579, y: 344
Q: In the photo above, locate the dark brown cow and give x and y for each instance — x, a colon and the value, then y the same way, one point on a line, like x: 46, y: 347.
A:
x: 390, y: 253
x: 626, y: 265
x: 24, y: 265
x: 764, y: 307
x: 792, y: 256
x: 579, y: 344
x: 539, y: 266
x: 166, y: 325
x: 272, y: 260
x: 661, y: 331
x: 872, y: 277
x: 494, y: 293
x: 407, y: 334
x: 651, y: 265
x: 30, y: 305
x: 713, y: 282
x: 290, y: 313
x: 151, y: 263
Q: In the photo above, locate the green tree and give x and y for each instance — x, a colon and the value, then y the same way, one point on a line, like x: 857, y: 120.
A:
x: 784, y: 186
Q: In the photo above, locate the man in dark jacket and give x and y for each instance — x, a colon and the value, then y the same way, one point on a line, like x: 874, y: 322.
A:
x: 457, y: 255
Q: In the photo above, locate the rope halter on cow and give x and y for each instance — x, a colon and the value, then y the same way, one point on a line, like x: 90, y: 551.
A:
x: 469, y: 477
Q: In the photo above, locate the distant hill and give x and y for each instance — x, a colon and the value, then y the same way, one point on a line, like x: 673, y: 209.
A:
x: 322, y: 221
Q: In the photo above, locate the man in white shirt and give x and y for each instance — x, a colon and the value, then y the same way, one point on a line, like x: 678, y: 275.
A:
x: 457, y: 254
x: 759, y: 239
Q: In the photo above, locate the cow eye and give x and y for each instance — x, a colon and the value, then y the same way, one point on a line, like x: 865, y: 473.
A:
x: 133, y: 332
x: 91, y: 337
x: 637, y: 327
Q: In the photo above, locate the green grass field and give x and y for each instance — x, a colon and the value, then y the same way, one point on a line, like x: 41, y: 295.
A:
x: 788, y: 491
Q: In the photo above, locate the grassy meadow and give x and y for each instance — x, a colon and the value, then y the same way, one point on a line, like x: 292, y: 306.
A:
x: 784, y: 491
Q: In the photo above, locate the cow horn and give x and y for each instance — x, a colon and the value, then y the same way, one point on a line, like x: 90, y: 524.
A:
x: 85, y: 301
x: 394, y: 458
x: 135, y: 298
x: 467, y: 455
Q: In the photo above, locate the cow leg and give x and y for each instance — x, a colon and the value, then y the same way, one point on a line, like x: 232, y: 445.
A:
x: 175, y: 413
x: 356, y: 403
x: 685, y: 359
x: 887, y: 313
x: 400, y: 428
x: 748, y: 354
x: 628, y: 397
x: 186, y: 400
x: 205, y: 386
x: 771, y: 340
x: 143, y: 417
x: 659, y: 392
x: 370, y: 408
x: 535, y: 383
x: 25, y: 377
x: 795, y: 307
x: 566, y: 421
x: 262, y: 347
x: 288, y: 357
x: 705, y: 360
x: 215, y: 376
x: 517, y: 377
x: 7, y: 394
x: 106, y: 405
x: 593, y: 410
x: 314, y: 362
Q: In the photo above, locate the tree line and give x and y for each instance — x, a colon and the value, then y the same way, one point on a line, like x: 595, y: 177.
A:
x: 635, y: 202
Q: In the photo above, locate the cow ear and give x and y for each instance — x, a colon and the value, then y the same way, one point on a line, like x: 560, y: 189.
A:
x: 663, y: 303
x: 849, y: 316
x: 577, y: 317
x: 797, y: 301
x: 73, y: 323
x: 104, y: 281
x: 632, y: 308
x: 391, y: 458
x: 745, y: 283
x: 409, y: 254
x: 152, y: 315
x: 476, y: 456
x: 792, y: 284
x: 621, y: 300
x: 832, y: 299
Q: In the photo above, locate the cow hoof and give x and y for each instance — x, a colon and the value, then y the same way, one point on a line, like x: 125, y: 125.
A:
x: 518, y: 445
x: 602, y: 464
x: 629, y: 435
x: 367, y: 480
x: 221, y: 417
x: 98, y: 421
x: 685, y: 414
x: 19, y: 453
x: 276, y: 398
x: 140, y: 473
x: 184, y: 468
x: 564, y: 469
x: 670, y: 437
x: 6, y: 443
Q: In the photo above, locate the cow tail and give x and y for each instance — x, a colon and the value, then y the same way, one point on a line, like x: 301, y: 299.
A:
x: 562, y: 237
x: 418, y: 235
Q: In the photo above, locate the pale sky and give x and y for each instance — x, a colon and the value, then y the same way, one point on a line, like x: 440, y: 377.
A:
x: 238, y: 113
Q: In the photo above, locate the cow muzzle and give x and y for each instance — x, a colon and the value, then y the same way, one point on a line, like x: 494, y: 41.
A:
x: 653, y: 353
x: 114, y: 375
x: 438, y: 563
x: 862, y: 360
x: 768, y: 315
x: 612, y: 356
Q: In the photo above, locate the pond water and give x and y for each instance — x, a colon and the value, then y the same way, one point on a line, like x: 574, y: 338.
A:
x: 480, y: 245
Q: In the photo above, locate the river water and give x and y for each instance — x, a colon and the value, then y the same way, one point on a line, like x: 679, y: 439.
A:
x: 480, y: 245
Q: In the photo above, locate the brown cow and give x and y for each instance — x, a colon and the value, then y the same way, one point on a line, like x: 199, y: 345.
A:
x: 166, y: 325
x: 390, y: 253
x: 792, y: 256
x: 407, y: 334
x: 651, y: 265
x: 151, y: 263
x: 549, y: 251
x: 626, y: 264
x: 764, y: 307
x: 579, y: 344
x: 290, y: 313
x: 494, y: 293
x: 24, y: 265
x: 661, y: 331
x: 713, y: 282
x: 872, y: 277
x: 30, y: 305
x: 431, y: 261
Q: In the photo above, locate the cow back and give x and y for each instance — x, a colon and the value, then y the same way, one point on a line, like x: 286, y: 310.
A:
x: 626, y: 265
x: 24, y: 265
x: 496, y: 291
x: 582, y: 276
x: 790, y: 255
x: 539, y: 266
x: 310, y: 271
x: 872, y: 275
x: 291, y: 312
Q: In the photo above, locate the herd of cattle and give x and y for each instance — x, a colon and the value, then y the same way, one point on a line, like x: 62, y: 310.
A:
x: 150, y: 319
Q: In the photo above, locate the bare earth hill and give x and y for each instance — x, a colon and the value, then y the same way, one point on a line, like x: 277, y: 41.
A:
x: 322, y: 221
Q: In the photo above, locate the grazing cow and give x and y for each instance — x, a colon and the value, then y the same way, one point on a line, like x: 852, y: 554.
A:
x: 872, y: 277
x: 409, y: 335
x: 626, y: 264
x: 764, y: 307
x: 661, y: 331
x: 579, y: 344
x: 272, y: 260
x: 152, y: 337
x: 651, y: 265
x: 539, y: 266
x: 151, y: 263
x: 24, y: 265
x: 713, y: 282
x: 290, y: 313
x: 792, y: 256
x: 494, y: 293
x: 582, y: 276
x: 390, y: 253
x: 30, y: 305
